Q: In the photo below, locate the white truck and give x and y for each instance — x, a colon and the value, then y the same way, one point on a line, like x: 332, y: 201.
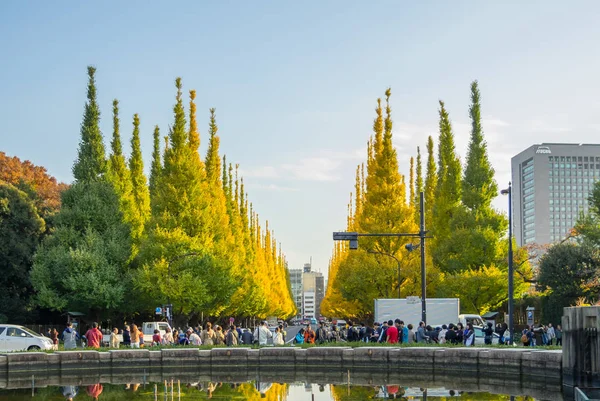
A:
x: 439, y: 311
x: 147, y: 328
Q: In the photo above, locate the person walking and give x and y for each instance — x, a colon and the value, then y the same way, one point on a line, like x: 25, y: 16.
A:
x: 114, y: 340
x: 278, y: 337
x: 219, y: 336
x: 442, y: 334
x: 127, y: 336
x: 93, y: 336
x: 168, y: 337
x: 558, y: 334
x: 392, y: 333
x: 469, y: 335
x: 231, y: 338
x: 404, y: 330
x: 321, y: 334
x: 54, y: 338
x: 412, y: 337
x: 309, y: 335
x: 460, y: 331
x: 383, y: 336
x: 247, y: 337
x: 193, y: 337
x: 135, y: 336
x: 421, y: 336
x: 262, y: 334
x: 156, y: 338
x: 208, y: 334
x: 488, y: 334
x: 299, y: 339
x: 551, y: 333
x: 70, y: 337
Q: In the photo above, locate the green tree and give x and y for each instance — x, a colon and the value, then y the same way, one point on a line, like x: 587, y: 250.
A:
x: 568, y: 272
x: 156, y: 166
x: 118, y: 173
x: 91, y: 162
x: 448, y: 189
x: 82, y: 266
x: 478, y: 185
x: 419, y: 185
x: 431, y: 180
x: 412, y: 183
x: 21, y: 231
x: 180, y: 194
x: 476, y: 229
x: 141, y: 195
x: 480, y: 290
x: 384, y: 210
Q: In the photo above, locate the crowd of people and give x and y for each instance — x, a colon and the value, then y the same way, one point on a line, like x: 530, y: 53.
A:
x: 387, y: 332
x: 132, y: 337
x: 393, y: 332
x: 399, y: 332
x: 548, y: 334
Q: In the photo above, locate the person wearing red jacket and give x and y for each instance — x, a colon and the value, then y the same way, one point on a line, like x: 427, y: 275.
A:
x: 93, y: 337
x: 392, y: 333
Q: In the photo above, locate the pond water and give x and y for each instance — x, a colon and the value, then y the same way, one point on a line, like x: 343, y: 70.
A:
x: 179, y: 391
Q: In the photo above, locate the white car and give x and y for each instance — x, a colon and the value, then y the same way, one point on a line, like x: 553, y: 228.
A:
x: 19, y: 338
x: 480, y: 337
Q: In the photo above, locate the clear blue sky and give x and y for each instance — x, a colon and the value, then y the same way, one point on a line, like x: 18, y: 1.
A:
x: 295, y: 85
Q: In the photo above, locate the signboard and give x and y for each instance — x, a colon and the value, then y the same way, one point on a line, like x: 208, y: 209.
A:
x: 543, y: 150
x: 413, y: 300
x: 158, y: 310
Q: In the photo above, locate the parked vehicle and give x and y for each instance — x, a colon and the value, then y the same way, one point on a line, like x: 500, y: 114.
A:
x: 147, y: 329
x: 340, y: 323
x: 475, y: 320
x: 439, y: 311
x: 479, y: 337
x: 19, y: 338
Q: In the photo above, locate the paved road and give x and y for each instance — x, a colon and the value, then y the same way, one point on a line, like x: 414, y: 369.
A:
x: 291, y: 332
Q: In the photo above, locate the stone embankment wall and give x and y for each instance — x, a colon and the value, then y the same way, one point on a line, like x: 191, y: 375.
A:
x: 581, y: 356
x: 497, y: 370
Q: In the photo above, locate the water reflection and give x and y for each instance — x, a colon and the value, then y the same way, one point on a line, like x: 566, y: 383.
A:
x: 176, y: 391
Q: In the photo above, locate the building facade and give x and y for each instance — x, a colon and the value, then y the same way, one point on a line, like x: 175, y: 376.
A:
x: 308, y: 290
x: 551, y: 184
x: 297, y: 288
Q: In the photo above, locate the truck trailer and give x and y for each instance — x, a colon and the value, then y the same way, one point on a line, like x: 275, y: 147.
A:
x: 439, y: 311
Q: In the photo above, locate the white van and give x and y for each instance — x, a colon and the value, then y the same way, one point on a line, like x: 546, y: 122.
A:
x: 19, y: 338
x: 147, y: 329
x: 475, y: 320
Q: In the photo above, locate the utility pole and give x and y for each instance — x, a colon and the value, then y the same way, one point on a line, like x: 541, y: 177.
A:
x: 422, y: 236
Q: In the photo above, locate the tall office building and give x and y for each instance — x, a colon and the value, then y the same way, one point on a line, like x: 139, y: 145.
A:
x: 551, y: 184
x: 297, y: 288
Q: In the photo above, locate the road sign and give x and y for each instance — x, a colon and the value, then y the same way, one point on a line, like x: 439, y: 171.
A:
x: 158, y: 310
x: 345, y: 236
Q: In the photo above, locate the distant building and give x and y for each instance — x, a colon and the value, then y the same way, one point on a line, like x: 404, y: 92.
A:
x: 308, y: 291
x: 308, y: 305
x: 313, y: 286
x: 297, y: 288
x: 551, y: 184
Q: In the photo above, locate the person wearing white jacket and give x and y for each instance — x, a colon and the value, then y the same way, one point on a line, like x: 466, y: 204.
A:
x: 262, y: 334
x: 278, y: 337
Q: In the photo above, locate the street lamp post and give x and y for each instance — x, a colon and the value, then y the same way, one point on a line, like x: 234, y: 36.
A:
x: 397, y: 261
x: 508, y: 192
x: 352, y: 237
